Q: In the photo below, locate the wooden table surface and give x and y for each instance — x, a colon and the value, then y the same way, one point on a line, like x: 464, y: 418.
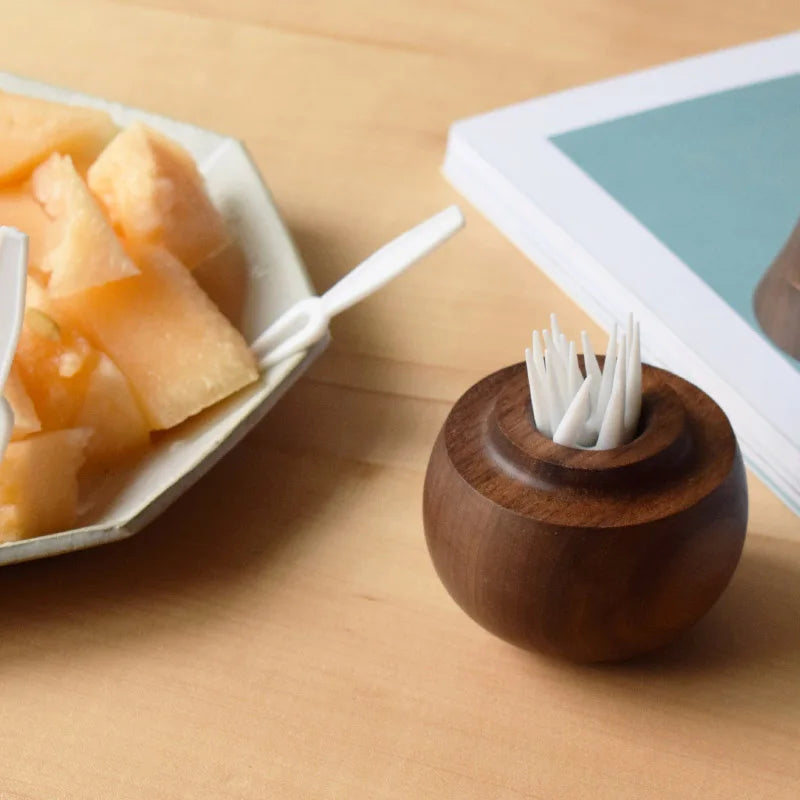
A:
x: 280, y: 632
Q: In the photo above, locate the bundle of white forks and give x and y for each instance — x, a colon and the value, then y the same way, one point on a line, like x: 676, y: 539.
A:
x: 595, y: 409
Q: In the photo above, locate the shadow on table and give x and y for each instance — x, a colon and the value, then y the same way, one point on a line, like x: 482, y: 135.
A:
x: 748, y: 645
x: 236, y: 525
x: 755, y: 622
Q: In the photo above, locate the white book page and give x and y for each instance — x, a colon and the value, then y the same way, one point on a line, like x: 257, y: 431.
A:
x: 514, y: 142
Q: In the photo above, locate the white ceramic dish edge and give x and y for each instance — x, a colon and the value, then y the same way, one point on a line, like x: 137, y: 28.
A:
x: 277, y: 279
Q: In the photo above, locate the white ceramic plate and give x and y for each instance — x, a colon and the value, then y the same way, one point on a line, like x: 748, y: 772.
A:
x: 276, y: 280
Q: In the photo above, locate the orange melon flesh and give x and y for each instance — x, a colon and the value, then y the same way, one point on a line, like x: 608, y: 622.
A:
x: 32, y: 129
x: 55, y: 365
x: 11, y: 525
x: 35, y: 294
x: 177, y: 350
x: 72, y: 385
x: 224, y: 278
x: 110, y: 412
x: 153, y: 192
x: 39, y: 484
x: 19, y: 210
x: 26, y: 420
x: 82, y: 249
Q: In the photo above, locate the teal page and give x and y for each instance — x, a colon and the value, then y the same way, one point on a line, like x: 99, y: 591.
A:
x: 716, y: 179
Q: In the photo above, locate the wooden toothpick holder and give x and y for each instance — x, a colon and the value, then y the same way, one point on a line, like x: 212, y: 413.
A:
x: 589, y: 555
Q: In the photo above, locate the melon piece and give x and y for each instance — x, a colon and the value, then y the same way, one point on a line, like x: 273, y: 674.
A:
x: 55, y: 364
x: 82, y: 249
x: 72, y: 385
x: 19, y: 210
x: 177, y: 350
x: 224, y: 278
x: 26, y: 420
x: 153, y: 192
x: 35, y: 294
x: 32, y: 129
x: 110, y: 411
x: 11, y: 527
x: 39, y: 484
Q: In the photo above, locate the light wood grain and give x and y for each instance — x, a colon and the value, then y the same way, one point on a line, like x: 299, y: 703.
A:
x: 294, y: 642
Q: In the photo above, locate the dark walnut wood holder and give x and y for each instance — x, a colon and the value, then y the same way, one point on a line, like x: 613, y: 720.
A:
x: 588, y: 555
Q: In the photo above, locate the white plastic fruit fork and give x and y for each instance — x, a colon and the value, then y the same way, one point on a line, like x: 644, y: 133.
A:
x: 309, y: 318
x: 599, y: 411
x: 296, y: 329
x: 13, y: 265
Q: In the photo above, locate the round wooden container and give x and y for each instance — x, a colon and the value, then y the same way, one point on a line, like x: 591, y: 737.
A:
x: 589, y: 555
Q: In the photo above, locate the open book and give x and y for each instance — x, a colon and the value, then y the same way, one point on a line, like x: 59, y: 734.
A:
x: 667, y: 193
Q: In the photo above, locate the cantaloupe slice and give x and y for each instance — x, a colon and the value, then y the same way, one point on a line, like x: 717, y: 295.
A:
x: 113, y: 416
x: 55, y: 364
x: 224, y: 278
x: 11, y: 525
x: 39, y: 484
x: 32, y: 129
x: 19, y: 210
x: 72, y: 385
x: 82, y: 249
x: 26, y: 420
x: 179, y: 353
x: 153, y: 192
x: 35, y: 294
